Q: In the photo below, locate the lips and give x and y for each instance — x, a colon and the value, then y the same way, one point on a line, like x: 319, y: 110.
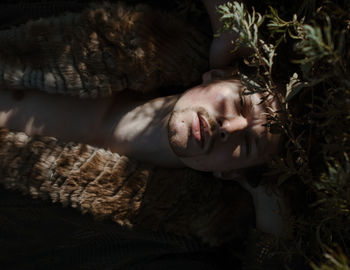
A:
x: 196, y: 129
x: 200, y: 129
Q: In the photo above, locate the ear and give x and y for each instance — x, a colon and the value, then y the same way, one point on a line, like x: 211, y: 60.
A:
x: 218, y: 74
x: 229, y: 175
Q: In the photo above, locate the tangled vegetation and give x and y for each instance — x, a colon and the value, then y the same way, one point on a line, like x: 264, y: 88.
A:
x: 303, y: 52
x: 300, y: 49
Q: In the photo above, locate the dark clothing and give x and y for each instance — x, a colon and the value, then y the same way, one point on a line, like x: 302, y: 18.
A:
x: 35, y: 234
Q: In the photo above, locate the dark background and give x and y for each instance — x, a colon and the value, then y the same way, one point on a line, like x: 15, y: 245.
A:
x: 35, y: 234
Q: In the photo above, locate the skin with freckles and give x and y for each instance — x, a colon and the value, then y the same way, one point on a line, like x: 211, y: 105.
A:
x: 211, y: 127
x: 216, y: 127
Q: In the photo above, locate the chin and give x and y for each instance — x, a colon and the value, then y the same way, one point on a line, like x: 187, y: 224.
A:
x: 178, y: 133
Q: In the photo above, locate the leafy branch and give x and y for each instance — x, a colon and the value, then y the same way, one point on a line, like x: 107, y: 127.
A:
x: 317, y: 145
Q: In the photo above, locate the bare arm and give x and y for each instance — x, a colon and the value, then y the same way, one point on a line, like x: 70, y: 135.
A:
x: 221, y: 47
x: 211, y: 7
x: 122, y: 124
x: 39, y: 113
x: 271, y: 210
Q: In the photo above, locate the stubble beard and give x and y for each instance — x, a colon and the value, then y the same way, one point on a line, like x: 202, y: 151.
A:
x: 175, y: 143
x: 173, y: 137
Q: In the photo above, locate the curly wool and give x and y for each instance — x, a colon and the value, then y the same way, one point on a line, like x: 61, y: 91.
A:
x: 110, y: 48
x: 106, y: 48
x: 132, y: 194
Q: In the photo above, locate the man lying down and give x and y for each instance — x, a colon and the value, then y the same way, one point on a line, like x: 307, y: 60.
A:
x: 211, y: 127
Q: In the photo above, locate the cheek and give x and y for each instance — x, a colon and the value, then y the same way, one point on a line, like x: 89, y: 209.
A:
x: 223, y: 151
x: 227, y: 156
x: 221, y: 159
x: 201, y: 99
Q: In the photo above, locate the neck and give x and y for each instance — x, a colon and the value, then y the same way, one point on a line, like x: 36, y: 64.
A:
x: 139, y: 129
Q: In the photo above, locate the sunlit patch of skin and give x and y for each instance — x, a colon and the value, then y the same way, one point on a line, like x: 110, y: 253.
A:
x: 32, y: 128
x: 5, y: 116
x: 238, y: 136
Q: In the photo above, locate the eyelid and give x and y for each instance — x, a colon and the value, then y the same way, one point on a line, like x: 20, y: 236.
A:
x: 241, y: 100
x: 242, y: 104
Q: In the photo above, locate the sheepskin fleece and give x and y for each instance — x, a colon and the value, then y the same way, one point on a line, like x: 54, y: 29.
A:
x: 106, y: 48
x: 132, y: 194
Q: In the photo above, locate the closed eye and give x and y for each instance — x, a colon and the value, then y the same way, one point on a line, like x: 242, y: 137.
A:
x: 241, y: 100
x: 242, y: 104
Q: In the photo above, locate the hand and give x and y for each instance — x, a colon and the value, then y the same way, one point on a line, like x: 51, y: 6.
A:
x: 221, y: 54
x: 221, y: 51
x: 271, y: 210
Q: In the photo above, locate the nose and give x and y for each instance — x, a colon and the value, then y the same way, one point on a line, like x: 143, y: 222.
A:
x: 231, y: 126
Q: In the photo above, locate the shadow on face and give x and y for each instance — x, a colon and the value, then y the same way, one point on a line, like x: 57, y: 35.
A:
x: 217, y: 127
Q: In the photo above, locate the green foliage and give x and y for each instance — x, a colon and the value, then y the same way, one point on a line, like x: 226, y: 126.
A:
x: 334, y: 261
x: 238, y: 19
x: 314, y: 118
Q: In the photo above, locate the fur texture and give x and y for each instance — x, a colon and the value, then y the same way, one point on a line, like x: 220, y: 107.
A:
x: 110, y: 48
x: 105, y: 48
x: 134, y: 195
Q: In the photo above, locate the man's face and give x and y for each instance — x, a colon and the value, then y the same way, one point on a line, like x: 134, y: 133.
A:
x: 214, y: 127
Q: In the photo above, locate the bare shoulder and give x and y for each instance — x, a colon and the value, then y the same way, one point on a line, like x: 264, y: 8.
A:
x: 64, y: 117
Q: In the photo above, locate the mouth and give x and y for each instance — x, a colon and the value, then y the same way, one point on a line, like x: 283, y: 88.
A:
x: 201, y: 130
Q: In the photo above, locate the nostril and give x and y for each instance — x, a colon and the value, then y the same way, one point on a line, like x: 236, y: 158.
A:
x: 220, y: 123
x: 223, y: 135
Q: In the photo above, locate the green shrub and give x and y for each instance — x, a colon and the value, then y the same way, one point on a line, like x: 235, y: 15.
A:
x: 305, y: 59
